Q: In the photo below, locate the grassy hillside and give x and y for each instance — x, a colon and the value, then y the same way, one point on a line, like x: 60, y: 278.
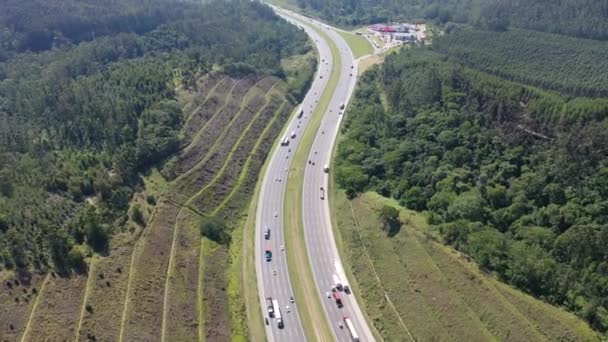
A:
x: 408, y: 282
x: 510, y: 174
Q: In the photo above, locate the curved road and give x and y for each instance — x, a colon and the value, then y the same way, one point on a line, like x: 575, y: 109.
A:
x: 322, y: 251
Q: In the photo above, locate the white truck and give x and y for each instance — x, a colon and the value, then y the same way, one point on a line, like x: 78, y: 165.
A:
x: 351, y: 329
x: 277, y: 313
x: 337, y: 283
x: 270, y: 306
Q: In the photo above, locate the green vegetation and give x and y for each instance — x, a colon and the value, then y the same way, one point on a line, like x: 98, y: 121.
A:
x: 415, y: 289
x: 509, y: 174
x: 570, y: 65
x: 358, y: 44
x: 587, y: 18
x: 88, y: 105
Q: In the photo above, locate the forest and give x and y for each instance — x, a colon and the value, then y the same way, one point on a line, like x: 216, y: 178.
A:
x: 512, y: 175
x: 569, y: 65
x: 586, y: 18
x: 88, y: 105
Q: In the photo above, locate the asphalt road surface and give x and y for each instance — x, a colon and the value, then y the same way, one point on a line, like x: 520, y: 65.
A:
x: 273, y: 276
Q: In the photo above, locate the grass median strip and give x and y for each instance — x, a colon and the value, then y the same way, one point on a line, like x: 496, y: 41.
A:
x: 359, y: 45
x: 311, y: 311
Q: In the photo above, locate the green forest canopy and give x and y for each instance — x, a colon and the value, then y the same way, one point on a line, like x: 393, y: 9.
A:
x: 87, y: 103
x: 512, y: 175
x: 579, y: 18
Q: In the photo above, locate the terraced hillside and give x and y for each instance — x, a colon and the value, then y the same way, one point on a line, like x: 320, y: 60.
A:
x: 160, y: 278
x: 413, y: 287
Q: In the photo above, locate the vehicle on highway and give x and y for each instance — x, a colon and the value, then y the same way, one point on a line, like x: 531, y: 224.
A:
x: 337, y: 283
x: 269, y: 306
x: 268, y: 254
x: 293, y: 134
x: 282, y: 247
x: 300, y: 113
x: 346, y: 287
x: 266, y: 320
x: 291, y: 299
x: 322, y: 193
x: 284, y: 141
x: 321, y: 76
x: 342, y: 105
x: 338, y: 299
x: 328, y: 294
x: 277, y: 313
x: 267, y: 233
x: 326, y: 168
x: 351, y: 329
x: 287, y: 308
x: 339, y: 324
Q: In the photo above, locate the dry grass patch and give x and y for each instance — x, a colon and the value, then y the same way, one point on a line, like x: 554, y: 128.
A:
x: 144, y: 301
x: 437, y: 293
x: 181, y: 310
x: 215, y: 297
x: 17, y: 295
x: 58, y: 309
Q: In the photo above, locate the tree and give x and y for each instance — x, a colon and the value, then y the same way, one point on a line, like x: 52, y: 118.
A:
x: 214, y: 228
x: 389, y: 216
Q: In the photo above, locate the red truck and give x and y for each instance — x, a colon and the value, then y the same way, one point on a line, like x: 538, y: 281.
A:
x: 338, y: 299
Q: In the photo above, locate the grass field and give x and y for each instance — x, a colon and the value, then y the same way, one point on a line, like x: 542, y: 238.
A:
x: 358, y: 44
x: 409, y: 283
x: 312, y: 315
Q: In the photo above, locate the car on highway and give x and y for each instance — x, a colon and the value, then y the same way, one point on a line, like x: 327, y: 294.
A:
x: 342, y: 105
x: 268, y: 255
x: 267, y: 233
x: 326, y: 168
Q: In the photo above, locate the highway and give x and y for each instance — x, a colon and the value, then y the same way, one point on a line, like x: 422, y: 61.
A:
x: 322, y: 251
x: 270, y: 215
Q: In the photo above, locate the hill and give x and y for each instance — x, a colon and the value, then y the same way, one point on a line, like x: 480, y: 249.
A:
x: 119, y: 152
x: 510, y: 174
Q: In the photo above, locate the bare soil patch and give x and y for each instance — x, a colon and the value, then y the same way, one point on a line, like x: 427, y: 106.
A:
x: 17, y: 295
x: 145, y: 299
x: 58, y: 310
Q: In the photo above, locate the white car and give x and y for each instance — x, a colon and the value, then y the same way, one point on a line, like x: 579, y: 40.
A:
x: 276, y: 214
x: 328, y: 294
x: 282, y: 247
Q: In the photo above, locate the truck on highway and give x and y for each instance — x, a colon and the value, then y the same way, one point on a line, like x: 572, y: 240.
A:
x: 285, y: 141
x: 337, y: 283
x: 277, y: 313
x: 270, y: 306
x: 338, y: 299
x: 351, y: 329
x: 300, y: 113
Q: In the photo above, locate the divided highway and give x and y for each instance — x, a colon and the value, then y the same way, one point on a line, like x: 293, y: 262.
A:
x: 273, y: 277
